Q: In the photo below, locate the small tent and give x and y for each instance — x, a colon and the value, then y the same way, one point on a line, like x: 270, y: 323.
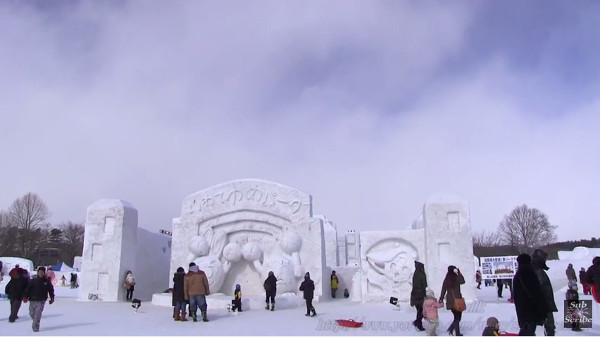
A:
x: 61, y: 266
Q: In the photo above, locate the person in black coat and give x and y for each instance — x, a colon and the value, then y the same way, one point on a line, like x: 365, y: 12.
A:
x: 417, y: 295
x: 530, y: 304
x: 37, y: 292
x: 540, y: 267
x: 592, y: 276
x: 270, y: 286
x: 178, y: 296
x: 15, y: 290
x: 308, y: 288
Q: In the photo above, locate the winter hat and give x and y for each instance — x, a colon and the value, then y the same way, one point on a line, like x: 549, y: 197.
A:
x: 271, y: 273
x: 429, y: 292
x: 42, y: 269
x: 192, y: 264
x: 194, y: 268
x: 491, y: 322
x: 524, y: 259
x: 307, y: 275
x: 540, y: 256
x: 180, y: 270
x: 238, y: 287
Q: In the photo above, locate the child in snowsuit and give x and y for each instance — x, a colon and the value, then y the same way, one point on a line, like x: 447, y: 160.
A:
x: 572, y: 297
x: 237, y: 299
x: 270, y: 286
x: 308, y: 288
x: 37, y: 292
x: 430, y: 312
x: 15, y: 290
x: 492, y: 327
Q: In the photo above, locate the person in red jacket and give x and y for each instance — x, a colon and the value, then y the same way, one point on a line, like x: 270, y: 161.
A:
x: 37, y: 292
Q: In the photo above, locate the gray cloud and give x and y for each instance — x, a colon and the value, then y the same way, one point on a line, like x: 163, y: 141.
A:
x: 354, y: 104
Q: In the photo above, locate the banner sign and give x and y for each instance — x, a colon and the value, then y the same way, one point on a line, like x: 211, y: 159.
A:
x: 498, y: 267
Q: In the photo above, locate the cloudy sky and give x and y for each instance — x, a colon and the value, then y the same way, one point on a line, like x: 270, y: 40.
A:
x: 369, y: 106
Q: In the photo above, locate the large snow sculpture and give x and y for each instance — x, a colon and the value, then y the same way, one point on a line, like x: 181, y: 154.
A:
x: 239, y: 231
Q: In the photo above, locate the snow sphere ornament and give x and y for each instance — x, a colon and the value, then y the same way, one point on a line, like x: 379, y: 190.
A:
x: 199, y: 246
x: 251, y: 251
x: 232, y: 252
x: 291, y: 242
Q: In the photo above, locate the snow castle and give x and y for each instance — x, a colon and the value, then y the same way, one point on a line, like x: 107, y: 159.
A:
x: 240, y: 230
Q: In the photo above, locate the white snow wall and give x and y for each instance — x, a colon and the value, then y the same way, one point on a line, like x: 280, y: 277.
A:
x: 113, y: 244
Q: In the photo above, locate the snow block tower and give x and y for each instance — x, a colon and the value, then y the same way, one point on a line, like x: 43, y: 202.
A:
x: 109, y: 249
x: 448, y: 241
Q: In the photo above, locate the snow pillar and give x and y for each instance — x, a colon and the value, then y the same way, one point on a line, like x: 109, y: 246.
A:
x: 109, y: 249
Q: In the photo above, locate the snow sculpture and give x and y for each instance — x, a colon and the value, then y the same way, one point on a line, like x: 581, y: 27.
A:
x: 387, y: 265
x: 240, y: 230
x: 109, y: 249
x: 207, y: 256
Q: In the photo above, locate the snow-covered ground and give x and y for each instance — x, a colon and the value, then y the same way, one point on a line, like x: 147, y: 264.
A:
x: 68, y: 316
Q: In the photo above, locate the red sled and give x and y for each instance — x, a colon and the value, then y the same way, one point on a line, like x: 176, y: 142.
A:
x: 350, y: 323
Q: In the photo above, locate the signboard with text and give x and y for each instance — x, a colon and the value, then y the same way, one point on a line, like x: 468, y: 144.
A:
x: 498, y: 267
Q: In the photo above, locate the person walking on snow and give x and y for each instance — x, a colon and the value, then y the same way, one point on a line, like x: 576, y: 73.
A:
x: 270, y: 286
x: 540, y: 267
x: 417, y: 295
x: 37, y: 292
x: 15, y: 290
x: 308, y: 288
x: 451, y: 285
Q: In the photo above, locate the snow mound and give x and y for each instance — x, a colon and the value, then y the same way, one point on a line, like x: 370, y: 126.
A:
x: 579, y: 253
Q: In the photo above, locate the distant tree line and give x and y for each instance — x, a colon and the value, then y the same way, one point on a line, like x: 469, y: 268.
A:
x: 26, y: 232
x: 523, y: 230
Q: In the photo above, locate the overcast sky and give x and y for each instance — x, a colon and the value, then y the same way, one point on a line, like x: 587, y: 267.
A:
x: 368, y: 106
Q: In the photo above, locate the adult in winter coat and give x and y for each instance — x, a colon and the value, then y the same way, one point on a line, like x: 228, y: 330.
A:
x: 334, y: 283
x: 195, y: 289
x: 270, y: 286
x: 540, y: 267
x: 37, y: 292
x: 178, y: 295
x: 592, y: 276
x: 530, y: 304
x: 451, y: 290
x: 129, y: 284
x: 584, y: 284
x: 571, y: 273
x: 308, y: 288
x: 478, y: 279
x: 417, y: 295
x: 15, y: 290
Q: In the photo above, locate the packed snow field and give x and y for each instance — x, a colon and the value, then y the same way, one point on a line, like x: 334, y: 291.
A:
x: 68, y: 316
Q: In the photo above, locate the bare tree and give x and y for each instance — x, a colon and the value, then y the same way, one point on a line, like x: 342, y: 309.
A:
x: 72, y: 240
x: 29, y: 214
x: 526, y: 229
x: 486, y: 239
x: 7, y: 234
